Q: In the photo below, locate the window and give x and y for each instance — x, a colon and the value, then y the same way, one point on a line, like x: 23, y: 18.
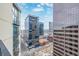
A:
x: 66, y: 55
x: 70, y: 35
x: 75, y: 26
x: 0, y: 52
x: 75, y: 36
x: 66, y: 43
x: 30, y: 36
x: 75, y: 54
x: 70, y: 52
x: 70, y: 44
x: 76, y: 31
x: 70, y: 48
x: 15, y: 30
x: 66, y: 39
x: 66, y: 51
x: 66, y: 47
x: 76, y: 45
x: 75, y: 50
x: 76, y: 40
x: 70, y: 39
x: 30, y: 43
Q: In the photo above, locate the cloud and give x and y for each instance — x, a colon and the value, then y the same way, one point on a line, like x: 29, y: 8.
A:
x: 39, y: 5
x: 22, y: 6
x: 38, y: 9
x: 47, y: 4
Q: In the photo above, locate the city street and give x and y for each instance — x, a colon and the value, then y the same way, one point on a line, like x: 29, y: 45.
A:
x: 45, y: 50
x: 24, y: 47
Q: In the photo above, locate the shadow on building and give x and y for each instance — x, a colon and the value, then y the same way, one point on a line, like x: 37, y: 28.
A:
x: 3, y: 50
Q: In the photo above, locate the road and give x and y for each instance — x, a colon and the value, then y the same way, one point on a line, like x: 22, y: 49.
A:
x: 45, y: 50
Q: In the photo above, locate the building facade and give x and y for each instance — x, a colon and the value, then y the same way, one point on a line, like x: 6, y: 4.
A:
x: 6, y: 29
x: 16, y: 25
x: 32, y: 29
x: 41, y: 28
x: 51, y: 28
x: 66, y: 33
x: 9, y: 28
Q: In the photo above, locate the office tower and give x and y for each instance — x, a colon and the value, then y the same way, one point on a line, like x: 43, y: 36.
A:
x: 41, y: 28
x: 66, y: 33
x: 16, y: 24
x: 51, y: 28
x: 32, y: 29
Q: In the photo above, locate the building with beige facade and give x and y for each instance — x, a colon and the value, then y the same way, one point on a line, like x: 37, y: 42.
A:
x: 66, y: 29
x: 6, y: 29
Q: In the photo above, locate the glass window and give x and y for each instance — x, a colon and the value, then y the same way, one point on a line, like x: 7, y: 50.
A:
x: 15, y: 31
x: 0, y: 52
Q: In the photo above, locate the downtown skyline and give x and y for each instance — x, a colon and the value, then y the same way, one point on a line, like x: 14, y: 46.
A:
x: 42, y: 10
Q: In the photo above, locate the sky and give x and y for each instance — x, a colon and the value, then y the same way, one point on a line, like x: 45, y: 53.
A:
x: 42, y: 10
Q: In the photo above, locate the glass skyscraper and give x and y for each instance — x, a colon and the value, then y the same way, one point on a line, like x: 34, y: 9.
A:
x: 32, y: 29
x: 16, y: 16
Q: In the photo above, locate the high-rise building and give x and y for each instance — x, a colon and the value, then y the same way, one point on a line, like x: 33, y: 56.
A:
x: 9, y: 31
x: 16, y: 24
x: 32, y: 29
x: 9, y: 28
x: 51, y: 28
x: 66, y: 33
x: 6, y: 28
x: 41, y: 28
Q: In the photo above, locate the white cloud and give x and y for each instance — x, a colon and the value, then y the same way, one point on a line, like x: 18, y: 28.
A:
x: 38, y: 9
x: 47, y: 4
x: 23, y: 6
x: 39, y: 5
